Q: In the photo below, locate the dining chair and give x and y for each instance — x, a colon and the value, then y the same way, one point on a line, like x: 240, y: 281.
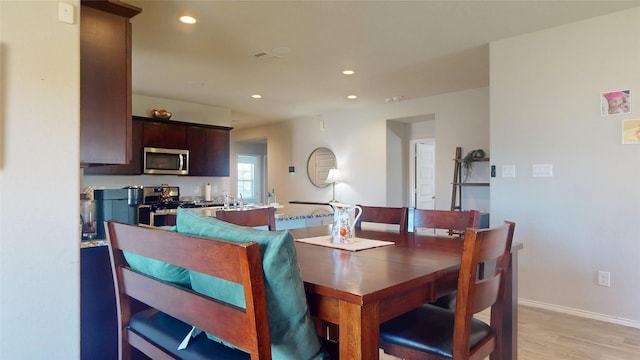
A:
x: 252, y: 217
x: 383, y: 215
x: 454, y: 221
x: 431, y: 332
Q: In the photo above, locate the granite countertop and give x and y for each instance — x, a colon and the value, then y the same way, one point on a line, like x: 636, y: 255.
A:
x: 280, y: 216
x: 303, y: 216
x: 93, y: 243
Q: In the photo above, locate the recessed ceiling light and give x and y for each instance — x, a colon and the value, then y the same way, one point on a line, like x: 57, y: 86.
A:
x: 352, y: 97
x: 348, y: 72
x: 188, y: 19
x: 256, y: 96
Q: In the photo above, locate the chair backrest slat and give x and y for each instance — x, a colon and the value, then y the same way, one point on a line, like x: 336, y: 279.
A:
x: 383, y: 215
x: 252, y: 217
x: 454, y: 221
x: 486, y: 292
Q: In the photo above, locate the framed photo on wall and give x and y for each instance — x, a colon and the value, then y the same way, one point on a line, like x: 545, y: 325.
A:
x: 615, y: 102
x: 631, y: 131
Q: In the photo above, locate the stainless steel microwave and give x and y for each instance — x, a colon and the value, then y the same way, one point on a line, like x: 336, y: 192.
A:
x: 166, y: 161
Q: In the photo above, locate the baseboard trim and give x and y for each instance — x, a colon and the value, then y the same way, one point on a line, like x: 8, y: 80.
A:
x: 580, y: 313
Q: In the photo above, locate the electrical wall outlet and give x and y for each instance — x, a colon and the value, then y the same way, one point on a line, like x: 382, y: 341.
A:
x: 604, y: 278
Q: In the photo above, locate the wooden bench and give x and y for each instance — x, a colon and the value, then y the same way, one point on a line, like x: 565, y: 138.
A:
x: 155, y: 315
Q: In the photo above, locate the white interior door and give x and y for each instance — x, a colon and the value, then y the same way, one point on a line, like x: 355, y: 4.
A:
x: 424, y: 174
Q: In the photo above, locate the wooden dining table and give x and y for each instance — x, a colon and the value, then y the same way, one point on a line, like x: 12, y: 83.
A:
x: 359, y: 290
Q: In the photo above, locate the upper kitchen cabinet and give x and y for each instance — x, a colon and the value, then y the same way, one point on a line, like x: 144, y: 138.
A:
x: 208, y: 147
x: 134, y: 167
x: 164, y: 134
x: 105, y: 82
x: 208, y: 150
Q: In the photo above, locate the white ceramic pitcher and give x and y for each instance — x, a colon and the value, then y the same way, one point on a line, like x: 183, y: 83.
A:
x: 343, y: 226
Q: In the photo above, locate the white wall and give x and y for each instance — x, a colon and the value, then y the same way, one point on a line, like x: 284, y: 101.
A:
x: 424, y: 129
x: 39, y: 182
x: 359, y: 140
x: 545, y: 90
x: 397, y: 174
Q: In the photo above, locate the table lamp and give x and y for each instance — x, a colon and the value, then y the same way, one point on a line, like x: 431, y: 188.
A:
x: 332, y: 178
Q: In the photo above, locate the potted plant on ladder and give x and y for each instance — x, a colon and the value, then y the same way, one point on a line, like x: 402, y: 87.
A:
x: 467, y: 161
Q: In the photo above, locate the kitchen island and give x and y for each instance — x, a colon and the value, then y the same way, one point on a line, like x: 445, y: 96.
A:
x: 98, y: 321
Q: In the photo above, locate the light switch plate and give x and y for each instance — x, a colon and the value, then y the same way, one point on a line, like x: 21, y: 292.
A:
x: 508, y: 171
x: 542, y: 170
x: 66, y: 13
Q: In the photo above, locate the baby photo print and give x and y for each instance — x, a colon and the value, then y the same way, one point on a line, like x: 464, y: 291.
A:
x: 615, y: 102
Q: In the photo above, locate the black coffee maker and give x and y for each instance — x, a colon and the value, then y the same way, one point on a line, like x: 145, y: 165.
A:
x: 117, y: 204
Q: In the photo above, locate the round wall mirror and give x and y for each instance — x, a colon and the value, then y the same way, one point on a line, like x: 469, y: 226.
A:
x: 320, y: 162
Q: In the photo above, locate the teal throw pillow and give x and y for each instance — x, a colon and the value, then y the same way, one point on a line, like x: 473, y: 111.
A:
x: 292, y: 332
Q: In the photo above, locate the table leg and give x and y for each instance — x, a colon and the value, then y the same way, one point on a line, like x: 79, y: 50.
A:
x: 510, y: 320
x: 359, y: 331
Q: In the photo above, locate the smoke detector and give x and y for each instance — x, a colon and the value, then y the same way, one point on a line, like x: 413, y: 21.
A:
x: 394, y: 99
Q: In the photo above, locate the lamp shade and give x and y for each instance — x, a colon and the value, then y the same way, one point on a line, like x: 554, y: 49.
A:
x: 333, y: 176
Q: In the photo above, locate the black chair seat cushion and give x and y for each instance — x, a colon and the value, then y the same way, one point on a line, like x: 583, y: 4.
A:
x: 168, y: 332
x: 429, y: 329
x: 447, y: 301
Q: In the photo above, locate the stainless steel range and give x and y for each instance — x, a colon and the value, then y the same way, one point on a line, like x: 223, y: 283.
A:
x: 160, y: 204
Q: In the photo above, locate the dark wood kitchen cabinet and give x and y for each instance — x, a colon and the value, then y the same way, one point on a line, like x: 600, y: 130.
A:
x: 105, y: 82
x: 208, y: 146
x: 164, y: 135
x: 161, y: 134
x: 208, y: 150
x: 134, y: 167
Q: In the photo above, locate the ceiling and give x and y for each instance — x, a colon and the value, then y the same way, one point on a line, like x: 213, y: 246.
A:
x: 401, y: 49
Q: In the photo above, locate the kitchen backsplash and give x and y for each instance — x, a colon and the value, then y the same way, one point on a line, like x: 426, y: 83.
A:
x: 190, y: 186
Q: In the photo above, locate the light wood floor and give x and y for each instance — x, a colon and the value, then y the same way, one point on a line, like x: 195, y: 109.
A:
x: 549, y: 335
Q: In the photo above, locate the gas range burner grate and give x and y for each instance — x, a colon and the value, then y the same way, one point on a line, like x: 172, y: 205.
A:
x: 164, y: 205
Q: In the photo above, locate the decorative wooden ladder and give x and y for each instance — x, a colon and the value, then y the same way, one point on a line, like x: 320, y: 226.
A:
x: 458, y: 183
x: 456, y: 191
